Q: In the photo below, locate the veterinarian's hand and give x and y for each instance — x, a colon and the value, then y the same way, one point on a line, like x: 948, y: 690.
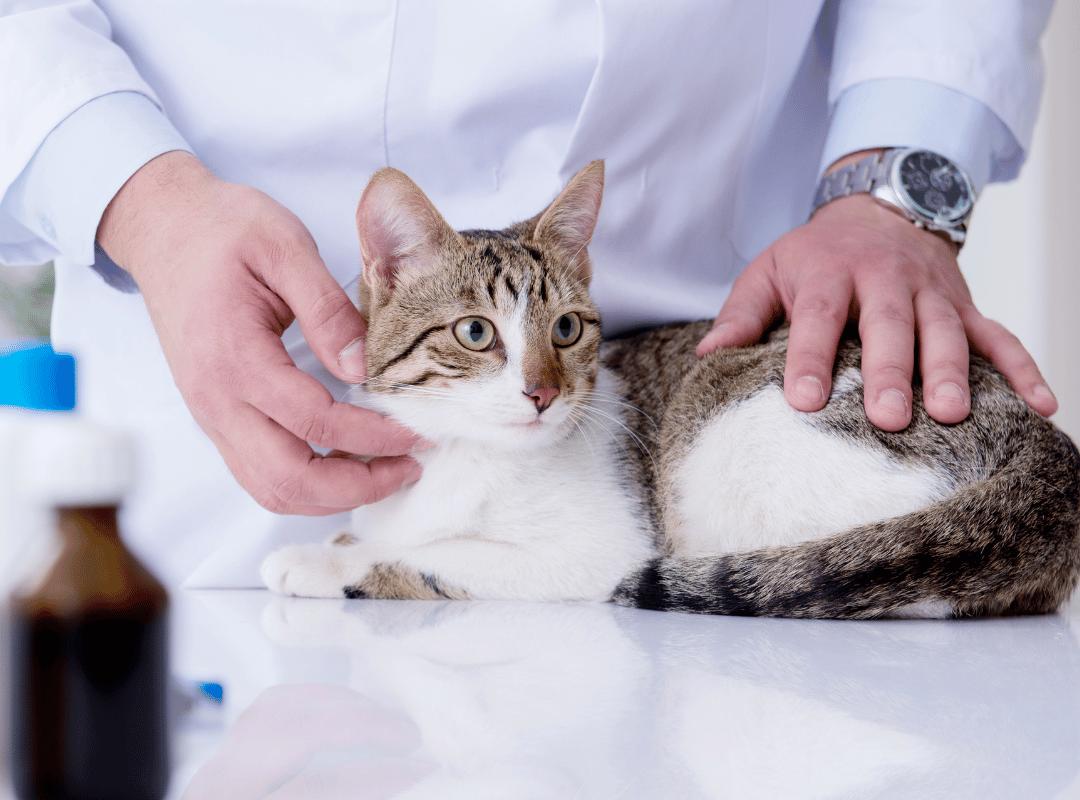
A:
x: 859, y: 259
x: 223, y: 270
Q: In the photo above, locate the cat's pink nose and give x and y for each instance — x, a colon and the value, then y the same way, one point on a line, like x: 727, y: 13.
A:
x: 543, y: 396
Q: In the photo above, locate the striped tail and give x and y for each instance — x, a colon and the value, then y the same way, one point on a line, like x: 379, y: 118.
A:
x: 1005, y: 545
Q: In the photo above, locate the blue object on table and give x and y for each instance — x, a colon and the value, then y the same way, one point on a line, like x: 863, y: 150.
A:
x: 213, y: 690
x: 33, y: 375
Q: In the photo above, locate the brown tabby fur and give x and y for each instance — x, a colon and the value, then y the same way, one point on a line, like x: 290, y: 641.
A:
x: 1004, y: 543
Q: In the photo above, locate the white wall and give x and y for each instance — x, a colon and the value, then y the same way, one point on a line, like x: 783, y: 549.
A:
x: 1023, y: 257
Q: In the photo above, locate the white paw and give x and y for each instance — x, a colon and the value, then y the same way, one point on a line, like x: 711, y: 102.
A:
x: 313, y: 570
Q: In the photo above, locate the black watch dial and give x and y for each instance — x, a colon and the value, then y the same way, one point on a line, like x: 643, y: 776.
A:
x: 935, y: 186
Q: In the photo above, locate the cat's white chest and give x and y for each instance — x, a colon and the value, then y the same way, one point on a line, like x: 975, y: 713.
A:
x: 454, y: 495
x: 562, y: 514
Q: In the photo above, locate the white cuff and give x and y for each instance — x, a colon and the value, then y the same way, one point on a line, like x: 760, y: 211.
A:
x: 911, y: 113
x: 63, y: 191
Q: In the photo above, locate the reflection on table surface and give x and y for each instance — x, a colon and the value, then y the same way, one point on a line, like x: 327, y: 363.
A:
x: 381, y: 699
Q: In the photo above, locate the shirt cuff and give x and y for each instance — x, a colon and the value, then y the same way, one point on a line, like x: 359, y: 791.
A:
x: 912, y: 113
x: 63, y: 191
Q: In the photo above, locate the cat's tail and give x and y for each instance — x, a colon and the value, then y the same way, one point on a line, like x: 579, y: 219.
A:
x: 1009, y: 544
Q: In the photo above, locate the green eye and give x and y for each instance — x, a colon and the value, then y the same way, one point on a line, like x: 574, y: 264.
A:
x: 475, y: 333
x: 566, y: 330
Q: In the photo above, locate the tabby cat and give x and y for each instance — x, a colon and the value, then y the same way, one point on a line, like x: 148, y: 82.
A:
x: 568, y: 468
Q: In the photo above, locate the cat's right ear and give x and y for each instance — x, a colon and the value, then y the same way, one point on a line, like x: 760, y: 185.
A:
x: 567, y: 224
x: 401, y: 233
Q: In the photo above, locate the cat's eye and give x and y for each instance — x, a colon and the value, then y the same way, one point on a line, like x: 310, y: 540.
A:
x: 475, y: 333
x: 566, y: 330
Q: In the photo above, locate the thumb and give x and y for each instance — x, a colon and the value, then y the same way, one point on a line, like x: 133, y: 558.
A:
x: 751, y: 307
x: 330, y: 322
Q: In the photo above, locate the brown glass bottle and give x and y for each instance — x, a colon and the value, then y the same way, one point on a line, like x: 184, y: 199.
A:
x: 89, y: 667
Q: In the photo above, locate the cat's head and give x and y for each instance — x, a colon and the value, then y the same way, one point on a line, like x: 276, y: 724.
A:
x: 482, y: 335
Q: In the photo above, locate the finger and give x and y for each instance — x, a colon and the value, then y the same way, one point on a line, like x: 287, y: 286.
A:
x: 887, y: 331
x: 943, y: 358
x: 749, y: 310
x: 818, y: 316
x: 253, y: 484
x: 285, y: 476
x: 328, y: 319
x: 305, y: 408
x: 1008, y: 354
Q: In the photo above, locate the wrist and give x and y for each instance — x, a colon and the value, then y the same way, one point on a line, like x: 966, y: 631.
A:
x: 882, y: 215
x: 145, y: 201
x: 931, y: 191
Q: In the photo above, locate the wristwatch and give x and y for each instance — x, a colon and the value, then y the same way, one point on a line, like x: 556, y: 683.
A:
x: 930, y: 190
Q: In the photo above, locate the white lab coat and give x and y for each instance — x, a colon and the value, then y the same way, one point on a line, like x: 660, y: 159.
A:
x: 713, y: 118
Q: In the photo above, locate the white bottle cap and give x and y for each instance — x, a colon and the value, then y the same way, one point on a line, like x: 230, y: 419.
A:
x: 72, y: 462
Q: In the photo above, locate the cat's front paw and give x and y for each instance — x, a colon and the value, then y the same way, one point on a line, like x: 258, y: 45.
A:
x: 313, y: 570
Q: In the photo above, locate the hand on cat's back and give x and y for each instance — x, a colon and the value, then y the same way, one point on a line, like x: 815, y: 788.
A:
x: 857, y: 259
x: 224, y: 270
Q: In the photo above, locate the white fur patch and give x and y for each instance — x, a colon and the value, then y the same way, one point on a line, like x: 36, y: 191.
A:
x: 760, y: 475
x: 925, y: 609
x: 543, y: 522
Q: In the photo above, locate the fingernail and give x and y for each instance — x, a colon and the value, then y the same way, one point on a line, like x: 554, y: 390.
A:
x: 808, y: 389
x: 708, y: 341
x: 352, y: 362
x: 422, y: 445
x: 412, y: 476
x: 1042, y: 392
x: 894, y: 401
x: 950, y: 392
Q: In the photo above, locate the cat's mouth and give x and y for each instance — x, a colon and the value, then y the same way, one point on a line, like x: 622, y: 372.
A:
x: 537, y: 421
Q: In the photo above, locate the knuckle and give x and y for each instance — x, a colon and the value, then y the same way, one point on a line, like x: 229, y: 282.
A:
x: 809, y: 363
x: 327, y: 310
x: 271, y: 502
x: 277, y: 238
x: 889, y: 312
x: 286, y: 490
x: 315, y: 429
x: 944, y: 320
x: 828, y: 308
x: 946, y: 368
x: 890, y: 374
x: 261, y: 493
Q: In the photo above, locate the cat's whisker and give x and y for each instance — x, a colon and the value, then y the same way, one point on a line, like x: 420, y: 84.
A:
x: 613, y: 399
x: 614, y: 418
x: 578, y: 424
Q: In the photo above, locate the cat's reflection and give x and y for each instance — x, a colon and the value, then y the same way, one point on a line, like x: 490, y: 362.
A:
x: 522, y: 700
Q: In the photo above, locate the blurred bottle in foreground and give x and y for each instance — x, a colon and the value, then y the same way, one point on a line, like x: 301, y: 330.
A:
x: 88, y: 635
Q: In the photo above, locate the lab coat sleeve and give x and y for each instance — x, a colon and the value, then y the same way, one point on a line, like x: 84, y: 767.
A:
x: 962, y: 78
x: 76, y: 121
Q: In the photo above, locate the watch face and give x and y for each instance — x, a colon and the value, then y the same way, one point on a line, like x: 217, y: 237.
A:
x: 935, y: 187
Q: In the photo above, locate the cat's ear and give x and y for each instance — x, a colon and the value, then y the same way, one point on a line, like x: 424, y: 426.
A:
x: 567, y: 224
x: 401, y: 233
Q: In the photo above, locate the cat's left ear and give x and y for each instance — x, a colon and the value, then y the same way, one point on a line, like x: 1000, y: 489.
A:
x: 401, y: 233
x: 568, y: 223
